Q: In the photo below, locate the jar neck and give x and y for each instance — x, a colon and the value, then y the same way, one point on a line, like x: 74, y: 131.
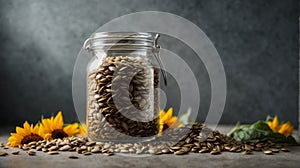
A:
x: 141, y: 52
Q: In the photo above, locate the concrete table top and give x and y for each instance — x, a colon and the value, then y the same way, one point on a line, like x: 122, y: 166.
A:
x: 226, y: 159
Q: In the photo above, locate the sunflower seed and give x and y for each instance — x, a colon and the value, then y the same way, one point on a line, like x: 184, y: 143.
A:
x: 215, y: 152
x: 248, y: 147
x: 285, y: 149
x: 53, y: 148
x: 31, y: 147
x: 83, y: 147
x: 258, y: 149
x: 138, y: 151
x: 175, y: 147
x: 65, y: 148
x: 203, y: 150
x: 247, y: 152
x: 3, y: 153
x: 90, y: 143
x: 152, y: 150
x: 72, y: 157
x: 44, y: 149
x: 259, y: 145
x: 107, y: 145
x: 111, y: 68
x: 227, y: 148
x: 31, y: 153
x: 39, y: 148
x: 53, y: 153
x: 180, y: 152
x: 31, y: 143
x: 25, y: 148
x: 268, y: 152
x: 274, y: 150
x: 96, y: 150
x: 109, y: 154
x: 166, y: 151
x: 15, y: 152
x: 125, y: 151
x: 86, y: 153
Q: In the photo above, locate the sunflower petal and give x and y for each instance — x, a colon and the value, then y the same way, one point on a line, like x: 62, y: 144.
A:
x: 35, y: 129
x: 58, y: 120
x: 47, y: 136
x: 161, y: 113
x: 47, y: 125
x: 71, y: 129
x: 285, y: 129
x: 169, y: 113
x: 82, y: 129
x: 275, y: 122
x: 20, y: 131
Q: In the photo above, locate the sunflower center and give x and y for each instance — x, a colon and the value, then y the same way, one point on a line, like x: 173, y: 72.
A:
x: 30, y: 138
x: 165, y: 126
x: 59, y: 133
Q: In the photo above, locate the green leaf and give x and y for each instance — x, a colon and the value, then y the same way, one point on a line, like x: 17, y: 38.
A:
x: 269, y: 118
x: 234, y: 129
x: 261, y: 125
x: 260, y: 131
x: 184, y: 119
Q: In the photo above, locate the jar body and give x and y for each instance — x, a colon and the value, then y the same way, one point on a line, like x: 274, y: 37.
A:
x: 122, y: 96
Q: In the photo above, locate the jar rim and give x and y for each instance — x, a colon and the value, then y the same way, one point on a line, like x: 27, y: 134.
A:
x: 111, y: 40
x: 142, y: 35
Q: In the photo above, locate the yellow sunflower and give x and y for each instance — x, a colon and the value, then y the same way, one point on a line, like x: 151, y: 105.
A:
x: 167, y: 120
x: 54, y: 127
x: 285, y: 128
x: 82, y: 130
x: 25, y: 135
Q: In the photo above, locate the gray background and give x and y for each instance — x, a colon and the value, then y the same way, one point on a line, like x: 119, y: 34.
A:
x: 257, y: 42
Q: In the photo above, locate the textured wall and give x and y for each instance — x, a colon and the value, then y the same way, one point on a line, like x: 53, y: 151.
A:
x: 257, y: 41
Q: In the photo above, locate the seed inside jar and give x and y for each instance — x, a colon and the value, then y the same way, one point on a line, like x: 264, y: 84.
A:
x: 123, y: 99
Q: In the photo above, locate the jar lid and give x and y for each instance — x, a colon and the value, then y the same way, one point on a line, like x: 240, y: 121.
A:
x: 124, y: 40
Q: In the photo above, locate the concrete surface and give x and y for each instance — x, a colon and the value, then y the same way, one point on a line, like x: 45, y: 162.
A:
x: 291, y: 159
x: 226, y: 159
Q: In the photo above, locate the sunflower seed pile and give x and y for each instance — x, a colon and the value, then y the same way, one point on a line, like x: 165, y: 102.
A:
x: 123, y: 99
x: 203, y: 140
x: 199, y: 139
x: 81, y: 145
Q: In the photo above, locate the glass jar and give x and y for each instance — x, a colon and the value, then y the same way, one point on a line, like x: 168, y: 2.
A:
x: 122, y: 86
